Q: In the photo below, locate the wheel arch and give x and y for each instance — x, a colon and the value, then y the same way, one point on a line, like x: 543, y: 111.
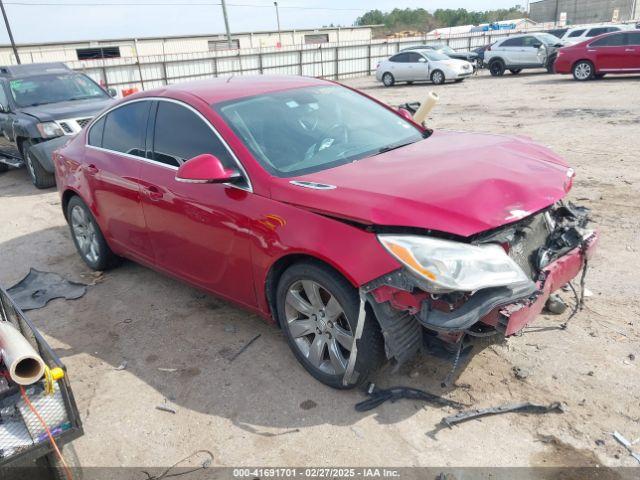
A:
x: 497, y: 59
x: 66, y: 198
x: 281, y: 264
x: 581, y: 59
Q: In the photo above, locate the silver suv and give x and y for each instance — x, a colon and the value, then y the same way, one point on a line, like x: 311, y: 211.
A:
x: 517, y: 52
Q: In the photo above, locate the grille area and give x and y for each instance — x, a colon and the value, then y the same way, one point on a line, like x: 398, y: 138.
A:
x: 66, y: 127
x: 83, y: 121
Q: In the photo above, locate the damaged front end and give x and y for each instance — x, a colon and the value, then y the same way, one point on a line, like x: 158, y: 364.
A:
x: 493, y: 284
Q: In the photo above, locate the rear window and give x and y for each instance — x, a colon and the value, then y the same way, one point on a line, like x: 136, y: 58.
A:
x: 576, y: 33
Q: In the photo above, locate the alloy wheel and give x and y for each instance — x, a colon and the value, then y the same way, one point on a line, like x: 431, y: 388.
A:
x: 318, y: 326
x: 583, y: 71
x: 438, y: 78
x: 84, y: 231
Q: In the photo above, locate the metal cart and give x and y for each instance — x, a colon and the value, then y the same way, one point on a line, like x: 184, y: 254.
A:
x: 24, y: 443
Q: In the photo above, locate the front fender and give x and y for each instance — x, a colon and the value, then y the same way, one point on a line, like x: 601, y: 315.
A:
x: 43, y: 152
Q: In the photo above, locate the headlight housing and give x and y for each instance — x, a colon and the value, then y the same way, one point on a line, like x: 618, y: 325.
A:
x: 50, y: 130
x: 445, y: 266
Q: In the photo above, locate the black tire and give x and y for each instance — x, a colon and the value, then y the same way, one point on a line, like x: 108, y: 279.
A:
x: 583, y: 70
x: 550, y: 64
x: 39, y: 176
x: 496, y: 68
x: 388, y: 80
x: 104, y: 257
x: 54, y: 468
x: 3, y: 167
x: 515, y: 71
x: 371, y: 344
x: 437, y: 77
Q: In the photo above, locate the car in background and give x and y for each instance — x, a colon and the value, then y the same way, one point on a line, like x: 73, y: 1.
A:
x: 557, y: 32
x: 341, y: 220
x: 447, y: 50
x: 617, y: 52
x: 580, y: 34
x: 517, y: 52
x: 479, y: 51
x: 40, y: 102
x: 422, y: 65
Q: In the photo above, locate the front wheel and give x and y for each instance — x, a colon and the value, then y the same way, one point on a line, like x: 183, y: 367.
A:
x: 437, y: 77
x: 583, y: 70
x: 388, y: 80
x: 39, y: 176
x: 88, y: 237
x: 318, y: 312
x: 496, y: 68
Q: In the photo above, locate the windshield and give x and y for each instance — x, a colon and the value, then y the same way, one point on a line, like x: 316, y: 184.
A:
x: 446, y: 49
x: 311, y: 129
x: 547, y: 38
x: 53, y: 88
x: 435, y: 56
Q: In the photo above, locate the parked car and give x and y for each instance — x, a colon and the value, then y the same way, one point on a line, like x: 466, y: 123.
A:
x: 517, y: 52
x: 422, y: 65
x: 558, y: 32
x: 39, y: 102
x: 617, y: 52
x: 447, y: 50
x: 580, y: 34
x: 479, y: 51
x: 326, y: 211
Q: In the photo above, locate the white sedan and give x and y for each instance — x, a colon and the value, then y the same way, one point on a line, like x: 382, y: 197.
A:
x: 420, y: 65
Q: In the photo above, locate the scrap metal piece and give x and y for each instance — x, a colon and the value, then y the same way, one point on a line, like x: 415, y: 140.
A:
x: 377, y: 396
x: 246, y: 345
x: 38, y: 288
x: 526, y: 407
x: 626, y: 444
x: 349, y: 373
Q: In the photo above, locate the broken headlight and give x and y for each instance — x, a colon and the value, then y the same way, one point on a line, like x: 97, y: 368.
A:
x: 445, y: 266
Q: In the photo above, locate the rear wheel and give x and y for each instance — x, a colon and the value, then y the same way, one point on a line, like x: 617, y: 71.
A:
x: 583, y: 70
x: 87, y: 236
x: 318, y: 311
x: 515, y: 71
x: 496, y: 68
x: 39, y: 176
x: 388, y: 80
x: 437, y: 77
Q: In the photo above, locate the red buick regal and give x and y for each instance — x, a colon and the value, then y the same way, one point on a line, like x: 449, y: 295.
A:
x: 617, y: 52
x: 359, y: 232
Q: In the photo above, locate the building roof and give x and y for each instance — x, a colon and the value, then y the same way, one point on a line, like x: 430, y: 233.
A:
x: 198, y: 35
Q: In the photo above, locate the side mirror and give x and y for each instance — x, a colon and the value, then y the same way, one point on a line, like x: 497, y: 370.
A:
x: 112, y: 92
x: 206, y: 168
x: 422, y: 60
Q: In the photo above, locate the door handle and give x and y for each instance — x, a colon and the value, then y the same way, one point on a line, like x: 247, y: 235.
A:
x: 91, y: 169
x: 152, y: 192
x: 629, y: 49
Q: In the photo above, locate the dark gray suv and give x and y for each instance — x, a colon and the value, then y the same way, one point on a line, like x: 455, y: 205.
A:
x: 38, y: 103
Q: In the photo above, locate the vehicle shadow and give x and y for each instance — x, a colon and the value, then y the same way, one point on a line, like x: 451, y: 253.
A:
x: 16, y: 183
x: 186, y: 345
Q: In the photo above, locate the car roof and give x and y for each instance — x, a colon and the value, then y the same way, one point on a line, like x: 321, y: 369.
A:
x: 33, y: 69
x: 221, y: 89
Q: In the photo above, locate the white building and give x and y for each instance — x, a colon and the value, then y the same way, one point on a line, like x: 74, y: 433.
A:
x: 515, y: 25
x: 160, y: 46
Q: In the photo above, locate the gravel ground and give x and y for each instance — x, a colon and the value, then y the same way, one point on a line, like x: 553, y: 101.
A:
x: 263, y: 409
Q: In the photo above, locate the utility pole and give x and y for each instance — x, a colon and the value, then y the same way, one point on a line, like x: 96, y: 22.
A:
x: 226, y: 22
x: 278, y: 20
x: 13, y: 43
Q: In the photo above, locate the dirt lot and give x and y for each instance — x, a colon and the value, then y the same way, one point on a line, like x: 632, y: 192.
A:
x: 263, y: 409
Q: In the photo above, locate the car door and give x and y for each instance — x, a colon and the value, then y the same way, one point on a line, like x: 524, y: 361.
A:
x: 199, y: 232
x: 531, y: 51
x: 511, y: 51
x: 609, y: 52
x: 111, y: 167
x: 8, y: 145
x: 419, y: 67
x: 399, y: 66
x: 632, y: 50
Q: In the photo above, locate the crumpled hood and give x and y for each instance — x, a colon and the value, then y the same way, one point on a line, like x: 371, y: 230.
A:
x: 63, y: 110
x: 459, y: 183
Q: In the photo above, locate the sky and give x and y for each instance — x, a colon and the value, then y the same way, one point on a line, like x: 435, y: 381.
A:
x: 36, y: 21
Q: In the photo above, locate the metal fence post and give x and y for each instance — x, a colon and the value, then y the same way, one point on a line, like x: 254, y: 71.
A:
x: 215, y: 66
x: 164, y: 71
x: 300, y: 61
x: 260, y: 69
x: 336, y: 62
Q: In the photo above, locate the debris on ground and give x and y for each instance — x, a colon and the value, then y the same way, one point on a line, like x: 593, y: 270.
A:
x: 626, y: 444
x: 122, y: 366
x: 555, y: 305
x: 168, y: 370
x: 38, y: 288
x: 246, y: 345
x: 525, y: 407
x: 377, y: 396
x: 520, y: 373
x: 166, y: 408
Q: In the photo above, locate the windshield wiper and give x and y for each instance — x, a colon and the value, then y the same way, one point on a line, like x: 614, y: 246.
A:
x: 393, y: 146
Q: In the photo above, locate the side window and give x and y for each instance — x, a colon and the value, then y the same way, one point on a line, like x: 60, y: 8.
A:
x: 576, y: 33
x: 400, y: 58
x: 594, y: 32
x: 95, y: 134
x: 415, y: 57
x: 530, y: 41
x: 181, y: 135
x: 125, y: 128
x: 609, y: 41
x: 513, y: 42
x: 632, y: 38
